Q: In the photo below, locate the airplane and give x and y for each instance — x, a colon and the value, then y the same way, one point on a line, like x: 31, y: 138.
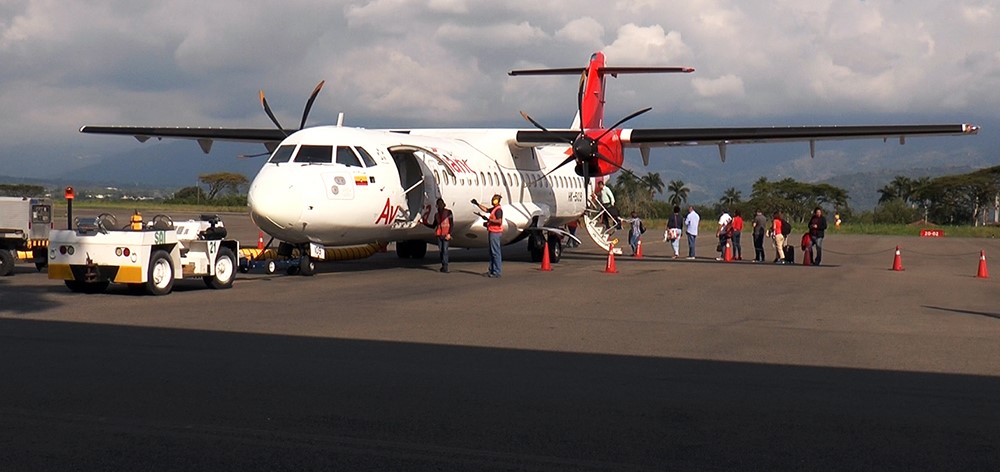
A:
x: 334, y: 185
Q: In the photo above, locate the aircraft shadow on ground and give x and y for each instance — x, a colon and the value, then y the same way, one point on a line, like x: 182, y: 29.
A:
x: 86, y: 396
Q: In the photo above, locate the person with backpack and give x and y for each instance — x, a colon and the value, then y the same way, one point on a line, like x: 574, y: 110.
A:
x: 778, y: 233
x: 789, y: 250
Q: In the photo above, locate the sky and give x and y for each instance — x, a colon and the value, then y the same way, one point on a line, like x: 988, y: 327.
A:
x: 444, y: 63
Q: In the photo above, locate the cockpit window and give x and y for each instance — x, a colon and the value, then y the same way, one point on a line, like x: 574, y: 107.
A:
x: 369, y: 161
x: 315, y: 154
x: 282, y: 154
x: 346, y: 156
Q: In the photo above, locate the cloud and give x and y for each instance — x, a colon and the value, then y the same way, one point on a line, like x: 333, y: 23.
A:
x: 444, y: 62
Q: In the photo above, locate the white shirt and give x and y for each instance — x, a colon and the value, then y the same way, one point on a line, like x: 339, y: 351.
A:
x: 691, y: 223
x: 725, y: 219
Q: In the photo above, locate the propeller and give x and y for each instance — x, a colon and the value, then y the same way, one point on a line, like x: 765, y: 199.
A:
x: 584, y: 149
x: 305, y: 112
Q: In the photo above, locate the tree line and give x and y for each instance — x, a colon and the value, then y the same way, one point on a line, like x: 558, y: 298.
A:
x: 962, y: 199
x: 795, y: 200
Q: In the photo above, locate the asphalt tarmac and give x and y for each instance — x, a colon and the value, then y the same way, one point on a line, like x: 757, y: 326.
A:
x: 384, y: 364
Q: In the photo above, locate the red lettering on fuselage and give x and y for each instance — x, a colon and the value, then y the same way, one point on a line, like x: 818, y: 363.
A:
x: 459, y: 165
x: 388, y: 213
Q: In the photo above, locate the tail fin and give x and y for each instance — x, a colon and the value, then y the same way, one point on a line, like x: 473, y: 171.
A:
x: 590, y: 106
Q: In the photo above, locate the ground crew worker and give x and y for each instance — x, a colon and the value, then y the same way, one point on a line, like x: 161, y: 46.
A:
x: 494, y: 228
x: 444, y: 220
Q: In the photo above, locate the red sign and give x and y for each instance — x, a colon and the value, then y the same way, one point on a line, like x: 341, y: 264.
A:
x: 70, y: 193
x: 932, y: 233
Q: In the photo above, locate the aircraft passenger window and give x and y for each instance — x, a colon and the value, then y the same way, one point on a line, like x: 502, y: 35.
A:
x: 282, y: 154
x: 347, y: 157
x: 437, y: 177
x: 369, y: 161
x: 315, y: 154
x: 482, y: 178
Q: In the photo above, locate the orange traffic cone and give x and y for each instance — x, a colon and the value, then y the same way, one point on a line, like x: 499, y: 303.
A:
x: 728, y: 254
x: 638, y: 249
x: 610, y: 267
x: 807, y: 258
x: 260, y: 240
x: 983, y: 273
x: 897, y: 262
x: 546, y: 263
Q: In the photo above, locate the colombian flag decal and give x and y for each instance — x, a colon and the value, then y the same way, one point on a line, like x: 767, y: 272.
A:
x: 360, y: 180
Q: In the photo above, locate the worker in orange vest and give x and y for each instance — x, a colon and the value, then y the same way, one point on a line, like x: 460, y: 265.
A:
x: 494, y: 229
x: 444, y: 220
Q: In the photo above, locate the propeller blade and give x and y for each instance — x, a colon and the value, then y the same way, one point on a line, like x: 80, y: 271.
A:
x: 616, y: 125
x: 309, y: 103
x: 569, y: 159
x: 579, y: 98
x: 619, y: 166
x: 267, y: 109
x: 539, y: 126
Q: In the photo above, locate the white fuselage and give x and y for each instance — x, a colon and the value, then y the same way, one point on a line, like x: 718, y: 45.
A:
x: 343, y: 186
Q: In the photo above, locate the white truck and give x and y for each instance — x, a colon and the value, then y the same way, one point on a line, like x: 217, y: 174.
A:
x: 148, y: 258
x: 25, y: 224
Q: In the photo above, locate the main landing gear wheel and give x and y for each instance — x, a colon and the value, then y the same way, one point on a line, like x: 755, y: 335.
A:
x: 160, y: 279
x: 536, y: 246
x: 225, y: 270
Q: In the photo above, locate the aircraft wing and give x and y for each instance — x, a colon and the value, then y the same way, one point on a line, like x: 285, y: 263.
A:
x: 269, y: 137
x: 647, y: 138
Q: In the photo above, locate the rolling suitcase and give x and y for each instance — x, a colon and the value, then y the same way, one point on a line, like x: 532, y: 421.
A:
x: 789, y: 254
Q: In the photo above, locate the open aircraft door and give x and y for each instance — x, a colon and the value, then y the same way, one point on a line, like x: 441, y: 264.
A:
x: 419, y: 170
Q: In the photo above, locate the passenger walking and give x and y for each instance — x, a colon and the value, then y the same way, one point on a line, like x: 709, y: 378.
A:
x: 759, y: 229
x: 607, y: 199
x: 779, y: 238
x: 444, y: 220
x: 635, y: 232
x: 675, y: 225
x: 736, y: 233
x: 817, y: 231
x: 691, y: 227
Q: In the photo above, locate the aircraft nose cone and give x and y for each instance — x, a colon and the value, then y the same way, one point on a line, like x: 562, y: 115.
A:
x: 275, y: 205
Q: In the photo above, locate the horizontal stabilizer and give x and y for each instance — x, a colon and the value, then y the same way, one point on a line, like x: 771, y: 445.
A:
x: 603, y: 70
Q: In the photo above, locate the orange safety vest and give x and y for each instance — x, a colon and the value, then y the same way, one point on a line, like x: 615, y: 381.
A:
x: 494, y: 227
x: 443, y: 227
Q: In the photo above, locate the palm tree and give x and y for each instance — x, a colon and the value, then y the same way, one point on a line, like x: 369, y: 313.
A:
x: 678, y: 192
x: 652, y: 182
x: 731, y: 197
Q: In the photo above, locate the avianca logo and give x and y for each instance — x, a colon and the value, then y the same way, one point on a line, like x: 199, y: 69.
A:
x: 388, y: 214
